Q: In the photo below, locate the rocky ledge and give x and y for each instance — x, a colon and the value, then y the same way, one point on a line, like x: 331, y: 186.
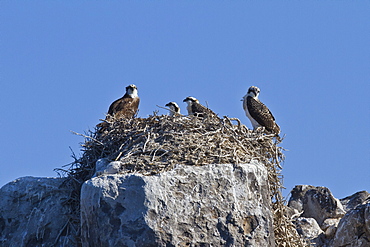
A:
x: 326, y: 221
x: 219, y: 205
x: 210, y: 205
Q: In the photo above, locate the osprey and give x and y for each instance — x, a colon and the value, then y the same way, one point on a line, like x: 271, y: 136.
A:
x: 195, y: 108
x: 125, y: 107
x: 258, y: 113
x: 175, y: 109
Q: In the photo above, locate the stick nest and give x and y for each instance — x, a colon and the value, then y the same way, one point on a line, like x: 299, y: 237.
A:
x: 156, y: 144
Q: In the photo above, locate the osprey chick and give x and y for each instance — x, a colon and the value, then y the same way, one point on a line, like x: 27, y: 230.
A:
x: 125, y: 107
x: 258, y: 113
x: 195, y: 108
x: 175, y: 109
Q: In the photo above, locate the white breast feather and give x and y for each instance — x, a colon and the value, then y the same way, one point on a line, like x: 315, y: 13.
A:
x: 188, y: 107
x: 255, y: 124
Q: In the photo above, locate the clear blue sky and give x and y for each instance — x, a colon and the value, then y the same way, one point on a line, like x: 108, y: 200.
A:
x: 63, y: 62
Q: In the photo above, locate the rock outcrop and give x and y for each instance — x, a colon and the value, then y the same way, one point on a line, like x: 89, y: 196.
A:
x: 32, y: 213
x: 350, y: 202
x: 354, y: 228
x: 316, y: 202
x: 219, y: 205
x: 326, y: 221
x: 309, y: 228
x: 211, y: 205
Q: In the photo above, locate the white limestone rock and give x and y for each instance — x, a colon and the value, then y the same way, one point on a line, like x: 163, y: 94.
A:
x: 297, y: 195
x: 210, y: 205
x: 321, y: 204
x: 329, y: 226
x: 316, y: 202
x: 309, y: 229
x: 330, y: 232
x: 31, y: 213
x: 354, y: 228
x: 329, y: 222
x: 351, y: 202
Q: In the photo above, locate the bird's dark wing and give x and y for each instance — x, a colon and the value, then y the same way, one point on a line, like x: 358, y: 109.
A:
x: 114, y: 107
x: 202, y: 111
x: 262, y: 115
x: 124, y: 107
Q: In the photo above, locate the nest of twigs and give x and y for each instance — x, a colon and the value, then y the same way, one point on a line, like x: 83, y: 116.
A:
x: 155, y: 144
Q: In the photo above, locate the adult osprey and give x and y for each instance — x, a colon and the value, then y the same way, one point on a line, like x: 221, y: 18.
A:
x: 195, y: 108
x: 125, y: 107
x: 175, y: 109
x: 258, y: 113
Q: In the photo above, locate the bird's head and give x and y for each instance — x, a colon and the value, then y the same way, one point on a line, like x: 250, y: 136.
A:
x: 253, y: 92
x: 132, y: 90
x: 173, y: 106
x: 190, y: 100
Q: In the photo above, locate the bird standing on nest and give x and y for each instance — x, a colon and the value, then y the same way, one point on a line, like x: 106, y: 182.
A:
x: 125, y: 107
x: 196, y: 109
x: 258, y: 113
x: 175, y: 109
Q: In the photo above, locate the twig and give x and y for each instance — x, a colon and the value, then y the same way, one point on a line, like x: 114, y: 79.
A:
x: 87, y: 137
x: 60, y: 233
